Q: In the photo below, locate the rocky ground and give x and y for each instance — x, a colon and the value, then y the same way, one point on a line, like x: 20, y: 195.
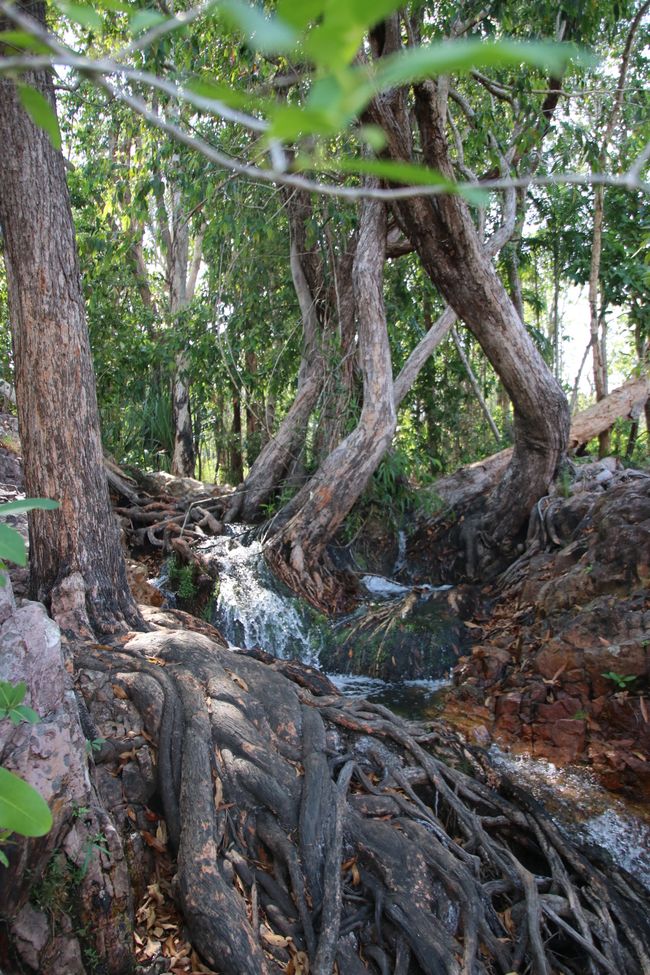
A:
x: 560, y: 667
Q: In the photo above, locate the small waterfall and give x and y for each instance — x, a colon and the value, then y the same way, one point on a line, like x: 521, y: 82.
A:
x: 400, y: 560
x: 250, y: 608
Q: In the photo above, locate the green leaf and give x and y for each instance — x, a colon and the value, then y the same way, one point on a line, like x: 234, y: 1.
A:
x: 288, y: 122
x: 418, y: 63
x: 214, y: 90
x: 22, y: 809
x: 299, y: 15
x: 24, y: 41
x: 80, y: 14
x: 335, y: 42
x: 117, y: 6
x: 408, y: 174
x: 269, y: 34
x: 25, y: 714
x: 19, y: 507
x: 11, y: 695
x: 12, y: 545
x: 3, y: 859
x: 144, y: 20
x: 374, y: 136
x: 40, y: 111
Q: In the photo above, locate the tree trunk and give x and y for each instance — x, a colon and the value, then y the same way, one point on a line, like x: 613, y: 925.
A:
x: 597, y: 327
x: 462, y: 489
x: 475, y: 386
x: 310, y: 520
x: 75, y: 555
x: 254, y: 410
x: 181, y: 292
x: 444, y: 236
x: 322, y: 309
x: 235, y: 456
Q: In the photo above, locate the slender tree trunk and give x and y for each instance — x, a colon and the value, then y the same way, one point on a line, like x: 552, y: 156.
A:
x: 598, y: 325
x: 235, y: 455
x: 254, y: 411
x: 338, y: 399
x: 305, y: 526
x: 597, y: 313
x: 181, y: 292
x: 75, y: 556
x: 475, y: 386
x: 321, y: 310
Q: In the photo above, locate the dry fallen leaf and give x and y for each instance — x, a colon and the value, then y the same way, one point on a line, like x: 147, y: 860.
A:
x: 153, y: 842
x: 151, y: 949
x: 271, y: 938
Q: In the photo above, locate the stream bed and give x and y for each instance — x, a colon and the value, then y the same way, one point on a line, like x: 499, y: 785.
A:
x: 251, y: 609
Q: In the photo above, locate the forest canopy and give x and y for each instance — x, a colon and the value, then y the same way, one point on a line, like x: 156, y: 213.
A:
x: 186, y: 135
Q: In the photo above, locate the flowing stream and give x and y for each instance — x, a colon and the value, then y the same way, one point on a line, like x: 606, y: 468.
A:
x: 252, y: 609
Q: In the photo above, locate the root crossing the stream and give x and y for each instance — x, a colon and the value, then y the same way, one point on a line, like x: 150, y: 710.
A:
x: 314, y: 833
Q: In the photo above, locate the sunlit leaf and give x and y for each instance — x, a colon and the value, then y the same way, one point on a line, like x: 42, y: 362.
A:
x: 334, y: 42
x: 289, y: 122
x: 40, y: 111
x: 80, y: 14
x: 446, y: 57
x: 269, y: 34
x: 12, y: 545
x: 300, y: 14
x: 144, y: 20
x: 22, y: 809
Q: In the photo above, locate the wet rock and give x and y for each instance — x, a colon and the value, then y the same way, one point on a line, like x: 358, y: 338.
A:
x: 414, y: 636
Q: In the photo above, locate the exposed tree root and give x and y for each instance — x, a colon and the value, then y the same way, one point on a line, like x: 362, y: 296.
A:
x: 320, y: 828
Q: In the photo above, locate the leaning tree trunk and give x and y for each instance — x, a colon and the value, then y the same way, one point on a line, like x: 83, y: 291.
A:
x: 75, y: 555
x: 442, y: 232
x: 305, y: 526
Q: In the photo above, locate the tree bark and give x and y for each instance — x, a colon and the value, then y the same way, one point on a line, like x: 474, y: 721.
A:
x: 182, y: 277
x: 310, y: 520
x: 235, y: 455
x: 75, y: 557
x: 464, y: 487
x: 322, y: 310
x: 442, y: 232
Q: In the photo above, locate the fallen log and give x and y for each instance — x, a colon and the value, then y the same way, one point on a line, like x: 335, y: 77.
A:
x: 310, y: 830
x: 460, y: 489
x: 627, y: 402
